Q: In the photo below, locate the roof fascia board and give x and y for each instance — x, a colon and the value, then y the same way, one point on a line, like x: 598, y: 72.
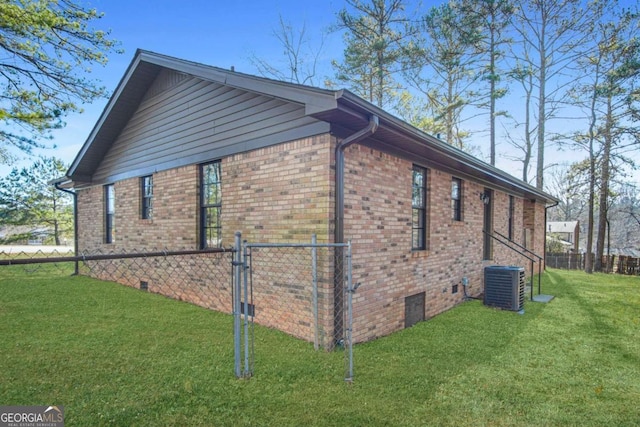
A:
x: 397, y: 126
x: 426, y: 162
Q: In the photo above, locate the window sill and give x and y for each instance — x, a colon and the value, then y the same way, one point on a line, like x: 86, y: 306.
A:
x: 419, y: 253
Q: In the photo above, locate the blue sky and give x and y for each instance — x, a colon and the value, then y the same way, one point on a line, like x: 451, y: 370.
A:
x: 220, y: 33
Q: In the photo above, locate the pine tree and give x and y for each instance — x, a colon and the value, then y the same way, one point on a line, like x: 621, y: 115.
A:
x: 27, y: 199
x: 46, y: 48
x: 375, y: 37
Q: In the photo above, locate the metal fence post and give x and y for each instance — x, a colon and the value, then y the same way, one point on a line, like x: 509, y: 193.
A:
x: 539, y: 274
x: 531, y: 281
x: 351, y: 290
x: 237, y: 289
x: 314, y: 274
x: 245, y: 270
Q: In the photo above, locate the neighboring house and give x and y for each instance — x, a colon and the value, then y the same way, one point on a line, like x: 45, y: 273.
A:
x: 567, y: 232
x: 186, y: 154
x: 24, y: 235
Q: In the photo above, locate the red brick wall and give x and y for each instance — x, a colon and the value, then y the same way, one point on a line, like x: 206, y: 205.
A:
x: 285, y: 193
x: 90, y: 218
x: 281, y: 193
x: 273, y: 195
x: 277, y: 194
x: 534, y: 221
x: 174, y: 222
x: 378, y: 220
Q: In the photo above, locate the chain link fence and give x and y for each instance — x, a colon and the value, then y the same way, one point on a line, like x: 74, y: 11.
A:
x: 202, y: 277
x: 301, y: 289
x: 34, y: 261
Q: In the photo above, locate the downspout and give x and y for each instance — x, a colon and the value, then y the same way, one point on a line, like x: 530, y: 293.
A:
x: 75, y: 221
x: 338, y: 275
x: 369, y: 130
x: 546, y: 208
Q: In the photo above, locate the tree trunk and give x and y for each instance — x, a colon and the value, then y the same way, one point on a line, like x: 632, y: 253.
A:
x: 588, y: 262
x: 604, y: 187
x: 56, y: 232
x: 56, y: 225
x: 527, y: 135
x: 492, y: 94
x: 541, y: 111
x: 450, y: 137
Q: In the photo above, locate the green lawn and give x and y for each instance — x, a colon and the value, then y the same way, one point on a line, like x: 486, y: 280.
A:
x: 118, y: 356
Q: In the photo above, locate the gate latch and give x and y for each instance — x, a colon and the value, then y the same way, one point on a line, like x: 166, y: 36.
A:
x: 353, y: 288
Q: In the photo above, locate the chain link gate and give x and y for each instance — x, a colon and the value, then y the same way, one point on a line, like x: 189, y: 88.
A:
x: 304, y: 290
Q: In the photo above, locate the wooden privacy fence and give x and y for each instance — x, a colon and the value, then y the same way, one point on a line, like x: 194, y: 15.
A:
x: 618, y: 264
x: 626, y: 265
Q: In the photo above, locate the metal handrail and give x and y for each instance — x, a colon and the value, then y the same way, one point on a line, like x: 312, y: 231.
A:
x: 518, y: 245
x: 520, y: 253
x: 528, y: 251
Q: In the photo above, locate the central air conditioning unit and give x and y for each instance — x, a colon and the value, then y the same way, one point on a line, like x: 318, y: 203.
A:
x: 504, y: 287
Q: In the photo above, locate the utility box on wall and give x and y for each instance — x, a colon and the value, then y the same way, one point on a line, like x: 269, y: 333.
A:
x: 504, y: 287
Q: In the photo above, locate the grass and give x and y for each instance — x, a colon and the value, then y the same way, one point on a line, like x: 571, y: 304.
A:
x: 117, y: 356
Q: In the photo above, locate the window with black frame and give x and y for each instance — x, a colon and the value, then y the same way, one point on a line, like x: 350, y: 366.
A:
x: 419, y: 209
x: 511, y: 216
x: 210, y: 205
x: 146, y: 193
x: 109, y: 212
x: 456, y: 199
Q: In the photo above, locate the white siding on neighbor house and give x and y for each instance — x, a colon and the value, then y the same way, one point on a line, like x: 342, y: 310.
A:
x: 184, y: 120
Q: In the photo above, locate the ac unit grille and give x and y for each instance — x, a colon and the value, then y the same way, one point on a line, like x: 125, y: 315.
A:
x: 504, y: 287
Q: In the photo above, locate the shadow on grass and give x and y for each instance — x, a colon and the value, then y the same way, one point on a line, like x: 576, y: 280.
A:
x: 607, y: 301
x: 433, y: 352
x: 117, y: 356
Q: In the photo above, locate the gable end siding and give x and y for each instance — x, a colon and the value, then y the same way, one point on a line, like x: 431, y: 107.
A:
x: 184, y: 120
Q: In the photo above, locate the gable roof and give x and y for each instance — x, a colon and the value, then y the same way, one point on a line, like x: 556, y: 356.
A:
x: 562, y: 226
x: 345, y: 112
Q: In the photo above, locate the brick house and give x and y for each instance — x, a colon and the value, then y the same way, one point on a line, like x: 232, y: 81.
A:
x: 224, y: 151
